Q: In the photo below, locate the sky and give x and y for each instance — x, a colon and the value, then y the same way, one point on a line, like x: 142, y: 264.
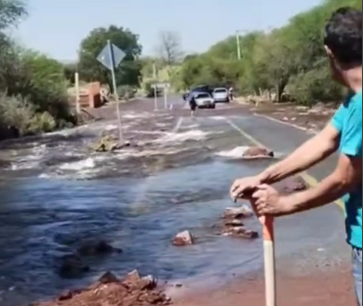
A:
x: 56, y: 27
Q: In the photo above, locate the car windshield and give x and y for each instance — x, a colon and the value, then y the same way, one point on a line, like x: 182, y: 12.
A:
x: 202, y: 96
x: 220, y: 90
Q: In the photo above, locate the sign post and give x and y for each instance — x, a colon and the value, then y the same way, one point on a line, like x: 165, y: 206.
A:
x: 164, y: 87
x: 76, y: 84
x: 110, y: 57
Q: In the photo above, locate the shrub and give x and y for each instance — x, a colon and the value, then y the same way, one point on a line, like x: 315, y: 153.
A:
x: 126, y: 92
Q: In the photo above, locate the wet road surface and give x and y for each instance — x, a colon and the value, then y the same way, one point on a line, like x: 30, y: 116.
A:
x: 56, y: 193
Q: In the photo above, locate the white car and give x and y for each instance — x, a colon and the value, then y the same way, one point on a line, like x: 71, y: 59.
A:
x: 221, y: 94
x: 204, y: 100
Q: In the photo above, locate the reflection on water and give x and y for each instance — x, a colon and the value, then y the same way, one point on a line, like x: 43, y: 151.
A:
x: 43, y: 219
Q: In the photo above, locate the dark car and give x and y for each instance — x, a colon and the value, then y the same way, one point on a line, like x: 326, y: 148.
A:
x: 197, y: 89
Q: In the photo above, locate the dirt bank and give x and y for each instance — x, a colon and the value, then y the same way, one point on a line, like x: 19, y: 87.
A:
x: 330, y: 287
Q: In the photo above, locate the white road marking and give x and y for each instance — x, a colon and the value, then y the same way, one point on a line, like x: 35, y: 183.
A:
x: 178, y: 125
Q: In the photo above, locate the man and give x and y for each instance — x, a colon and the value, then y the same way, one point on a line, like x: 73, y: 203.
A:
x: 230, y: 93
x: 343, y: 44
x: 192, y: 104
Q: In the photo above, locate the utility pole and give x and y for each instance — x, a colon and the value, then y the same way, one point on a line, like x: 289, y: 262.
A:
x: 238, y: 45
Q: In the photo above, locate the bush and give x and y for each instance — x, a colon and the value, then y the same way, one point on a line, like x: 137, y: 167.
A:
x: 126, y: 92
x: 16, y: 112
x: 34, y: 98
x: 315, y: 86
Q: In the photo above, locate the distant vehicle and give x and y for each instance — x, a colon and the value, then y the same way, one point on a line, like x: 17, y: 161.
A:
x: 202, y: 99
x: 200, y: 88
x: 221, y: 94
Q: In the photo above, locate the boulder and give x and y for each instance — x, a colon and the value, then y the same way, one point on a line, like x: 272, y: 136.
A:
x: 183, y: 239
x: 238, y: 212
x: 240, y: 232
x: 294, y: 184
x: 108, y: 278
x: 97, y: 248
x: 256, y: 152
x: 71, y: 265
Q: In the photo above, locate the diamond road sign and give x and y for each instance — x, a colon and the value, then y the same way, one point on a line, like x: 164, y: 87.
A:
x: 105, y: 58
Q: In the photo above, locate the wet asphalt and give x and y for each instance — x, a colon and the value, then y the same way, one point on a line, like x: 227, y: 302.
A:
x: 310, y: 240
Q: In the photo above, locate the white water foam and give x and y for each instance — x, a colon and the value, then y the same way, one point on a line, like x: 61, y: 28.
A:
x: 31, y: 160
x: 196, y: 135
x: 133, y: 115
x: 88, y: 163
x: 234, y: 153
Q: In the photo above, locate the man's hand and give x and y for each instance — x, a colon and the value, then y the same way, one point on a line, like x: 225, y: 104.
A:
x: 266, y: 200
x: 243, y: 187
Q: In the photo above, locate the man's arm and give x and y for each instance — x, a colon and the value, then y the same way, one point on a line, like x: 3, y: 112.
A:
x: 310, y: 153
x: 346, y: 177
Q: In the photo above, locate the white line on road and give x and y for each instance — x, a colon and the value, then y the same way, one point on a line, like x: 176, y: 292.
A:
x: 178, y: 125
x: 243, y: 133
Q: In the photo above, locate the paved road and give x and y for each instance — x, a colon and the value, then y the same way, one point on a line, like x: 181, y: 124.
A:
x: 323, y: 228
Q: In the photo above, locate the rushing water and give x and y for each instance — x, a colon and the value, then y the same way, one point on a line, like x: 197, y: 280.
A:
x: 56, y: 194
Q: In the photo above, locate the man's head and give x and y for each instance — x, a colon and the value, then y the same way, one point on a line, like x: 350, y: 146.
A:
x: 343, y: 42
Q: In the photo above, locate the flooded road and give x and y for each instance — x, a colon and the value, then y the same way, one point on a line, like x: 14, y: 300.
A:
x: 56, y: 193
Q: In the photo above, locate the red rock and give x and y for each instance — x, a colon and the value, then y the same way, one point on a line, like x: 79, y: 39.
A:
x: 107, y: 278
x: 258, y: 152
x: 183, y: 239
x: 238, y: 212
x: 240, y: 232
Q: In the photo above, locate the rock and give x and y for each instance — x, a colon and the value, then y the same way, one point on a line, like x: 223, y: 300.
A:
x: 233, y: 223
x: 134, y: 280
x: 66, y: 295
x: 254, y: 152
x: 133, y: 277
x: 240, y: 232
x: 132, y: 291
x: 238, y: 212
x: 4, y: 164
x: 98, y: 248
x: 294, y: 184
x: 72, y: 266
x: 107, y: 278
x: 183, y: 239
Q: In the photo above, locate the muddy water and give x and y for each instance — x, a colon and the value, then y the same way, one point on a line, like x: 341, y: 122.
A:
x: 55, y: 194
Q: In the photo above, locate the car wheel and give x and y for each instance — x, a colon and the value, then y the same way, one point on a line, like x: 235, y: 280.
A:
x: 213, y: 106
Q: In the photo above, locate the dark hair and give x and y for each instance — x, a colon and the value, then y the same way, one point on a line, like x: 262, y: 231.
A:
x: 343, y: 35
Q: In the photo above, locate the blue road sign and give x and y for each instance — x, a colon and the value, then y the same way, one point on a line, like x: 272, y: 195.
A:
x: 105, y: 57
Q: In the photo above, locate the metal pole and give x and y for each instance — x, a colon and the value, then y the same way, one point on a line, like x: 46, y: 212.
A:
x: 112, y: 58
x: 154, y: 71
x: 165, y: 97
x: 155, y: 87
x: 238, y: 45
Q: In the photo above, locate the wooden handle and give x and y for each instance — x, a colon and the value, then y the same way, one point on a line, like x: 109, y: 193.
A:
x: 269, y: 258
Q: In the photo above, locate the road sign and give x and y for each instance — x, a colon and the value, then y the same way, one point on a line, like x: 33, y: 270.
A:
x: 105, y: 56
x: 110, y: 57
x: 161, y: 85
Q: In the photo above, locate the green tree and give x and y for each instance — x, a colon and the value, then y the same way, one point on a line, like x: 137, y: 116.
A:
x: 290, y: 60
x: 127, y: 73
x: 11, y: 11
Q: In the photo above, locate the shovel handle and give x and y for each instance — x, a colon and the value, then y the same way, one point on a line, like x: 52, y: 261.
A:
x: 269, y: 258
